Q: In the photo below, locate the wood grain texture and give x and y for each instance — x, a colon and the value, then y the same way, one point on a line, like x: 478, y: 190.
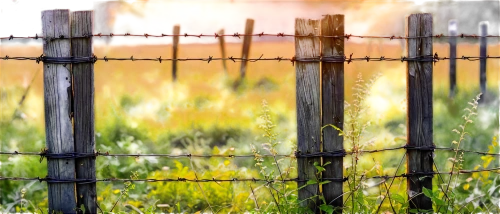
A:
x: 58, y: 109
x: 308, y: 106
x: 83, y: 92
x: 332, y: 105
x: 175, y: 46
x: 483, y: 45
x: 247, y: 41
x: 419, y: 121
x: 222, y: 43
x: 452, y: 31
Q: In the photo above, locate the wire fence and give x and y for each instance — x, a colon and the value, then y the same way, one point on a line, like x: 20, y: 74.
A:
x: 44, y: 153
x: 296, y: 154
x: 72, y: 60
x: 240, y: 35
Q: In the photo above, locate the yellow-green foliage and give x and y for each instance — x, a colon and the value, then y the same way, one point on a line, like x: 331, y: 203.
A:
x: 139, y: 110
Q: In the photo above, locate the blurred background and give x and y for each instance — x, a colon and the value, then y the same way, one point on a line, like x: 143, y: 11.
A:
x: 140, y: 109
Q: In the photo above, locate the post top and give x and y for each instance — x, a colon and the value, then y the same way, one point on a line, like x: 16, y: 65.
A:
x: 57, y: 10
x: 418, y: 15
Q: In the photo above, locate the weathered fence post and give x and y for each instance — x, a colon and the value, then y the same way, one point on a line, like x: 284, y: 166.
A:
x: 483, y: 45
x: 332, y: 83
x: 247, y: 40
x: 175, y: 44
x: 222, y: 43
x: 308, y: 107
x: 58, y: 110
x: 452, y: 30
x: 419, y: 121
x: 83, y: 92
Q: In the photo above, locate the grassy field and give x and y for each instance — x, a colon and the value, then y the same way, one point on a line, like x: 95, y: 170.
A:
x: 139, y: 110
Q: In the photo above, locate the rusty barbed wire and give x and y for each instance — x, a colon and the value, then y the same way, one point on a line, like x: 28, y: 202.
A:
x: 295, y: 154
x: 239, y: 35
x: 69, y: 60
x: 206, y: 180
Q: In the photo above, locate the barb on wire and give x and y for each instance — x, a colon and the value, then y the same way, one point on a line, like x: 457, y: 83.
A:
x: 204, y: 180
x: 339, y: 59
x: 297, y: 154
x: 240, y: 35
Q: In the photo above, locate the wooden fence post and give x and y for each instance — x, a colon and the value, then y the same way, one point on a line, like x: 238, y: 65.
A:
x: 177, y: 31
x: 58, y: 110
x: 308, y: 107
x: 419, y: 121
x: 222, y: 43
x: 483, y: 45
x: 83, y: 92
x: 332, y: 83
x: 453, y: 31
x: 247, y: 40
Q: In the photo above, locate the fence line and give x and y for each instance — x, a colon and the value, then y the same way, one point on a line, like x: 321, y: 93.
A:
x: 240, y: 35
x: 182, y: 179
x: 68, y: 60
x: 314, y: 143
x: 295, y: 154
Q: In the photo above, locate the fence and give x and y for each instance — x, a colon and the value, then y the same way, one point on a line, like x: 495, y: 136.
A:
x: 319, y: 61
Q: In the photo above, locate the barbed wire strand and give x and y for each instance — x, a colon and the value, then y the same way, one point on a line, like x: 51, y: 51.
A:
x: 296, y: 154
x: 206, y: 180
x: 68, y: 60
x: 239, y: 35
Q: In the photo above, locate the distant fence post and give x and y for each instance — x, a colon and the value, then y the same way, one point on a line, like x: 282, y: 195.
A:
x: 175, y: 44
x: 419, y: 121
x: 83, y: 90
x: 247, y: 40
x: 453, y: 31
x: 483, y: 45
x: 308, y: 107
x: 222, y: 43
x: 332, y: 83
x: 58, y: 110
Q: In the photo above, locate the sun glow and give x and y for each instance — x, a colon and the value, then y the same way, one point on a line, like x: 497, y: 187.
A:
x: 208, y: 17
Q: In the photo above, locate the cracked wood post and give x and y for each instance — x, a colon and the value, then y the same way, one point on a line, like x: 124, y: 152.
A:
x: 483, y: 45
x: 58, y: 110
x: 222, y: 43
x: 247, y: 40
x: 452, y: 30
x: 175, y: 44
x: 83, y: 92
x: 308, y: 108
x: 419, y: 121
x: 332, y: 83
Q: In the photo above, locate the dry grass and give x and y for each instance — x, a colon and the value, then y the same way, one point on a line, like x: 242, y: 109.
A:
x: 203, y: 96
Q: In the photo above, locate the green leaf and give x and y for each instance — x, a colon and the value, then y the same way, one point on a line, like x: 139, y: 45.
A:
x: 404, y: 208
x: 310, y: 182
x: 438, y: 201
x: 320, y: 168
x: 398, y: 198
x: 327, y: 208
x: 82, y: 208
x: 428, y: 192
x: 327, y: 163
x: 414, y: 211
x: 324, y: 182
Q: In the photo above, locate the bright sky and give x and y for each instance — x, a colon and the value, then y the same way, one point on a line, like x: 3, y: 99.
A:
x: 208, y: 17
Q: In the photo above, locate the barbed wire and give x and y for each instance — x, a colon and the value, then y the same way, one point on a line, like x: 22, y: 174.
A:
x: 68, y: 60
x: 183, y: 179
x: 239, y: 35
x: 296, y: 154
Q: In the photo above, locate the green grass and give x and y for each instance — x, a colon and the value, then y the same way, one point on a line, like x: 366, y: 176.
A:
x: 139, y: 110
